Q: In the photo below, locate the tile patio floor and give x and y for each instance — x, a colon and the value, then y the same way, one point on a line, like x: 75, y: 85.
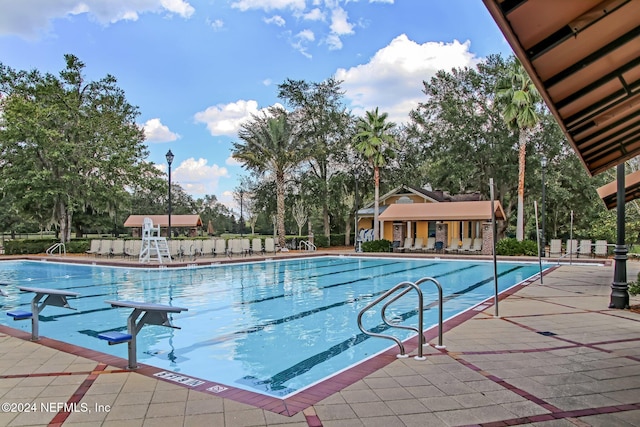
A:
x: 556, y: 356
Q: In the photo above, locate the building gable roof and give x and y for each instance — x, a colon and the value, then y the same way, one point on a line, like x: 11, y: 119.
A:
x: 163, y: 220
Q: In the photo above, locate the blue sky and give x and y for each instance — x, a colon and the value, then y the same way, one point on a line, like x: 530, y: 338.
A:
x: 198, y: 68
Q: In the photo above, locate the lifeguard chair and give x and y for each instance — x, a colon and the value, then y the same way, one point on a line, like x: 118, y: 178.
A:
x: 154, y: 247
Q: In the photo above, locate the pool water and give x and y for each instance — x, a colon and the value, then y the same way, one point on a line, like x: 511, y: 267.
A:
x: 272, y: 327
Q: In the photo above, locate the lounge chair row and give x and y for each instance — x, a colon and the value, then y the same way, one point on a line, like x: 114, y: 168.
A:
x: 180, y: 249
x: 584, y: 248
x: 468, y: 246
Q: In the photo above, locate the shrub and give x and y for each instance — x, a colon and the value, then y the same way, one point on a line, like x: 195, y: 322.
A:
x: 377, y: 246
x: 512, y: 247
x: 634, y: 287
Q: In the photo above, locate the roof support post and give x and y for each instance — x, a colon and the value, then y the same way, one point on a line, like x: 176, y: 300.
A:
x: 619, y: 287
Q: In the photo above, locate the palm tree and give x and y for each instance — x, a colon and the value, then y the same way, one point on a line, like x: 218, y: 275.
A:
x: 269, y: 148
x: 375, y: 142
x: 520, y: 113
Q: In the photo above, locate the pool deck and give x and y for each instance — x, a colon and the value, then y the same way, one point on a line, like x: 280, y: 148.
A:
x: 556, y: 356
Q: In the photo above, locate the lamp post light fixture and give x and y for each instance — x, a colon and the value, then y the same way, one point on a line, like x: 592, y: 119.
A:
x: 169, y: 156
x: 543, y: 162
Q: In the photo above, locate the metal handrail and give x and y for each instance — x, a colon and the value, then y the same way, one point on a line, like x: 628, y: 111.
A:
x: 60, y: 247
x: 404, y: 288
x: 308, y: 245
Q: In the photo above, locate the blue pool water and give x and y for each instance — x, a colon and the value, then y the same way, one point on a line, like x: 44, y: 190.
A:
x: 272, y: 327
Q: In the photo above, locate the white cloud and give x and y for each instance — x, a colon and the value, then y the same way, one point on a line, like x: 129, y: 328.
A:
x: 268, y: 5
x: 314, y: 15
x: 340, y: 24
x: 197, y: 177
x: 155, y: 131
x: 392, y: 79
x: 216, y: 24
x: 225, y: 119
x: 276, y: 19
x: 28, y: 18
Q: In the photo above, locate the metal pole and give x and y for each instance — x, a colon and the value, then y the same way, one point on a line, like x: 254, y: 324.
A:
x: 544, y: 184
x: 571, y: 240
x: 535, y: 207
x: 619, y: 287
x: 493, y: 245
x: 169, y: 156
x: 241, y: 219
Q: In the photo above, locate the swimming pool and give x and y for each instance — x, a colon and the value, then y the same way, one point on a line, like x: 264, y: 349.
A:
x: 271, y: 327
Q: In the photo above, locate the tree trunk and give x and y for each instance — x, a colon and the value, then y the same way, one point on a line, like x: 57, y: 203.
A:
x: 521, y: 165
x: 376, y: 181
x: 280, y: 184
x: 64, y: 217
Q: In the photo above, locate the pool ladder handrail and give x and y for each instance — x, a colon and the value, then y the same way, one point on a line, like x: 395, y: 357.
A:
x: 307, y: 246
x: 59, y: 247
x: 406, y: 287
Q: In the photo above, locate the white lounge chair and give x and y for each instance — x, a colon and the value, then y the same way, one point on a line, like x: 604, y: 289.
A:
x: 235, y: 247
x: 270, y: 245
x: 408, y: 244
x: 584, y: 248
x: 466, y: 244
x: 417, y: 246
x: 94, y: 248
x: 431, y: 245
x: 256, y: 246
x: 476, y: 247
x: 105, y: 247
x: 207, y: 247
x: 555, y: 247
x: 571, y: 247
x: 117, y: 248
x: 601, y: 248
x: 132, y: 248
x: 220, y: 247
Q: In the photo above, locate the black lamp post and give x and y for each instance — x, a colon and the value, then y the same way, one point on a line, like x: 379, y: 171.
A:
x: 543, y: 161
x: 241, y: 219
x: 169, y: 157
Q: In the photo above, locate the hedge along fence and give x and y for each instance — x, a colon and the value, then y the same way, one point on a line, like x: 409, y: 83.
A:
x: 39, y: 246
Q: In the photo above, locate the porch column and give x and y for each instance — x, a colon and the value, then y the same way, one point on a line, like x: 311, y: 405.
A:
x: 619, y: 287
x: 487, y: 238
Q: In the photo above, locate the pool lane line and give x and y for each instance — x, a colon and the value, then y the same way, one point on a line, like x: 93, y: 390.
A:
x: 303, y: 366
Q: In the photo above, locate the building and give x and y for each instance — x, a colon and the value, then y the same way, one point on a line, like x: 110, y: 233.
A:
x: 415, y: 212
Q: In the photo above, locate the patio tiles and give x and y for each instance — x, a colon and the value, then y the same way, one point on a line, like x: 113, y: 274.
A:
x: 556, y: 356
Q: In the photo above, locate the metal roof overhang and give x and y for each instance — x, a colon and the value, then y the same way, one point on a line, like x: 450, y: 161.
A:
x: 446, y: 211
x: 584, y: 58
x: 608, y: 193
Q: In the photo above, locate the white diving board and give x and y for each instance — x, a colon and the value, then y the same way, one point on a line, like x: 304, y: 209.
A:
x: 152, y: 314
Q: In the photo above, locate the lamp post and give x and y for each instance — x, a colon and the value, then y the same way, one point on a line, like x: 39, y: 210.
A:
x: 169, y: 157
x: 543, y: 162
x: 241, y: 219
